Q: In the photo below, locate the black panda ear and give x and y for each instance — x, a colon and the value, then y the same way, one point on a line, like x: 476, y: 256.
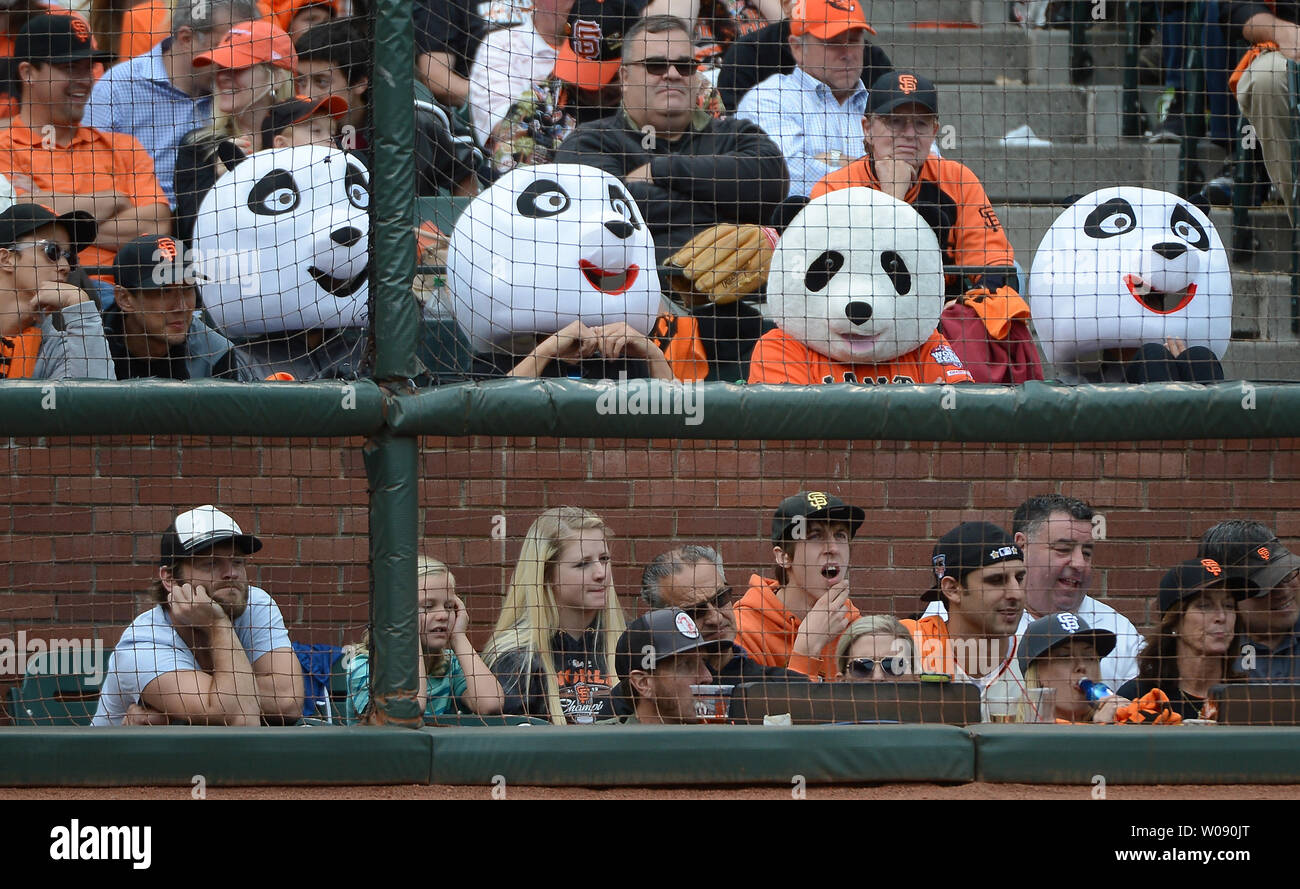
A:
x: 230, y: 154
x: 786, y: 211
x: 1069, y: 199
x: 1200, y: 202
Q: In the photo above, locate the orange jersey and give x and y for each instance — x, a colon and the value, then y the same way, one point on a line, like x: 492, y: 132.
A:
x: 18, y: 354
x: 767, y: 632
x: 780, y: 358
x: 678, y: 337
x: 93, y: 161
x: 951, y: 199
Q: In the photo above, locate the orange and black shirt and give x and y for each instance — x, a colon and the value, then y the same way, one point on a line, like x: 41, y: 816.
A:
x: 581, y: 672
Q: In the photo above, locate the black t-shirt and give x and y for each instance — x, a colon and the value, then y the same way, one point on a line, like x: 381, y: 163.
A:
x: 450, y: 26
x: 583, y: 677
x: 753, y: 58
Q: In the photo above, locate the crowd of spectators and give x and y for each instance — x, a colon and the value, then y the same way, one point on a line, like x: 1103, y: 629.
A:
x: 1008, y: 613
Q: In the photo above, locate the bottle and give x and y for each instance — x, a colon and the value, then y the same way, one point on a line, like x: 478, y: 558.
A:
x: 1094, y: 691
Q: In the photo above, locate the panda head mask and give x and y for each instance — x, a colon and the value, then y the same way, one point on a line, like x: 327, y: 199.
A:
x: 548, y: 245
x: 1127, y: 266
x: 858, y: 277
x: 281, y: 242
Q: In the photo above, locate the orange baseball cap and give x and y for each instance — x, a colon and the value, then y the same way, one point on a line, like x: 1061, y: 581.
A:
x: 825, y: 19
x: 590, y: 57
x: 252, y: 43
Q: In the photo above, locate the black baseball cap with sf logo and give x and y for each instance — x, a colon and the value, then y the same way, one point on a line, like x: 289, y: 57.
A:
x: 898, y: 88
x: 810, y: 506
x: 57, y: 38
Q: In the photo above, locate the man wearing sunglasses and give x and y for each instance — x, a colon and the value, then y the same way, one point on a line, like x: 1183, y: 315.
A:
x: 153, y: 327
x: 1270, y: 615
x: 49, y: 329
x: 687, y: 170
x: 692, y: 579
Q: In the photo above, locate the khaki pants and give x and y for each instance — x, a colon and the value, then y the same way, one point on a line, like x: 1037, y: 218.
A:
x: 1264, y: 99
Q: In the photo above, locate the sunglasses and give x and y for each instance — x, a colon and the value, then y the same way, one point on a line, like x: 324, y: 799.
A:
x: 53, y: 252
x: 659, y: 67
x: 865, y: 667
x: 719, y: 600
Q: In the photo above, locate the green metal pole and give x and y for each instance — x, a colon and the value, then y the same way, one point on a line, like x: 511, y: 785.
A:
x: 392, y: 470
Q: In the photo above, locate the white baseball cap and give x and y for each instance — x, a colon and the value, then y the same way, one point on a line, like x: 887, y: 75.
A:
x: 200, y: 529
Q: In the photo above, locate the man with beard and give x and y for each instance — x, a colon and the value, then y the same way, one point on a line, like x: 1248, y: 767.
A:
x: 213, y: 650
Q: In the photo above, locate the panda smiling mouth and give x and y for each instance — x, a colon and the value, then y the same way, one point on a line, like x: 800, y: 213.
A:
x: 608, y: 282
x: 339, y: 286
x: 1162, y: 302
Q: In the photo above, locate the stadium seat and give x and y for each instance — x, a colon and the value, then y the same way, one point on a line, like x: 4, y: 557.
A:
x: 46, y: 697
x: 441, y: 210
x: 465, y: 720
x: 813, y: 703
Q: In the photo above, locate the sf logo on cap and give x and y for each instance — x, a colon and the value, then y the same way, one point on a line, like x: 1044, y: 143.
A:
x: 1068, y: 622
x: 907, y: 83
x: 586, y: 38
x: 817, y: 500
x: 1263, y: 553
x: 1211, y: 566
x: 80, y: 29
x: 940, y: 563
x: 166, y: 249
x: 841, y: 5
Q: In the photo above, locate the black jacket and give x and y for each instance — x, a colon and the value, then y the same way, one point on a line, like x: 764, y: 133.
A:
x: 720, y: 171
x: 753, y: 58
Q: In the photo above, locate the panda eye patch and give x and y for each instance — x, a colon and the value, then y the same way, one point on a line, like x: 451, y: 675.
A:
x: 542, y: 198
x: 622, y: 205
x: 896, y: 269
x: 1114, y: 217
x: 273, y: 194
x: 1185, y: 226
x: 822, y: 269
x: 354, y: 183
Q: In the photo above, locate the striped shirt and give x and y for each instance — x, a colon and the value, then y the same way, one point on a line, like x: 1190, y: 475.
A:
x: 809, y: 124
x: 136, y: 98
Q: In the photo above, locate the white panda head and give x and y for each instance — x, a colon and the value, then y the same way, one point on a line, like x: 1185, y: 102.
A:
x: 282, y: 242
x: 1127, y: 266
x: 548, y: 245
x: 858, y: 277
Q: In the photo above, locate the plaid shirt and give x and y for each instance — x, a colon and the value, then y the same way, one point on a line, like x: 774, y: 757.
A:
x: 802, y: 116
x: 136, y: 98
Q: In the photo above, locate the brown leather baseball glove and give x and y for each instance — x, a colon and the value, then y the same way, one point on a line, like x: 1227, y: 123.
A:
x: 723, y: 263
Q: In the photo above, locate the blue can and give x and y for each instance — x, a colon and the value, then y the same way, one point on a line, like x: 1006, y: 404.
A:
x: 1094, y: 691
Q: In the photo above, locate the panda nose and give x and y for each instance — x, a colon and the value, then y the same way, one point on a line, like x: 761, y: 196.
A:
x: 1170, y: 249
x: 858, y: 312
x: 620, y: 229
x: 346, y: 237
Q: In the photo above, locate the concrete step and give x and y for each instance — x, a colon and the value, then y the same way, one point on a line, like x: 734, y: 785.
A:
x: 887, y: 13
x: 1046, y: 175
x: 1248, y: 360
x: 991, y: 54
x: 1057, y: 113
x: 1261, y: 308
x: 1049, y: 55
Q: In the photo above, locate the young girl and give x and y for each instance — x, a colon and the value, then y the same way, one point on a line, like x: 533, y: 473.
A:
x: 255, y: 68
x: 453, y: 678
x: 553, y: 648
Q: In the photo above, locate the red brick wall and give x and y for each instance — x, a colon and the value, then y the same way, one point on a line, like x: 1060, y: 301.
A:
x: 80, y: 534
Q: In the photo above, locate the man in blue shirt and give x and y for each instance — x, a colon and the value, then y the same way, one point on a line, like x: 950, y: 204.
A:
x: 1268, y: 621
x: 815, y: 113
x: 213, y: 650
x: 160, y: 96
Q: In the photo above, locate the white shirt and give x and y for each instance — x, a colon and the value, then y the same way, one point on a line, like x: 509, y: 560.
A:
x: 507, y: 63
x: 1117, y: 667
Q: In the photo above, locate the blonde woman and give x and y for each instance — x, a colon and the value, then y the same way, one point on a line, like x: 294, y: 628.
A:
x: 256, y: 64
x: 875, y: 649
x: 553, y: 648
x: 453, y: 678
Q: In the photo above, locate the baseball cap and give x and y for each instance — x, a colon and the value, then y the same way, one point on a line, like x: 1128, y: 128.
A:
x: 654, y: 637
x: 296, y: 110
x: 1264, y: 565
x: 147, y: 263
x: 1188, y: 579
x: 23, y: 219
x: 899, y: 88
x: 200, y: 529
x: 284, y: 17
x: 825, y: 19
x: 969, y: 547
x: 56, y: 38
x: 814, y: 506
x: 251, y: 43
x: 590, y: 57
x: 1051, y: 630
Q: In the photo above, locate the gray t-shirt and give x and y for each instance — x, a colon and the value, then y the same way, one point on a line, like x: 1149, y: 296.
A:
x: 151, y: 647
